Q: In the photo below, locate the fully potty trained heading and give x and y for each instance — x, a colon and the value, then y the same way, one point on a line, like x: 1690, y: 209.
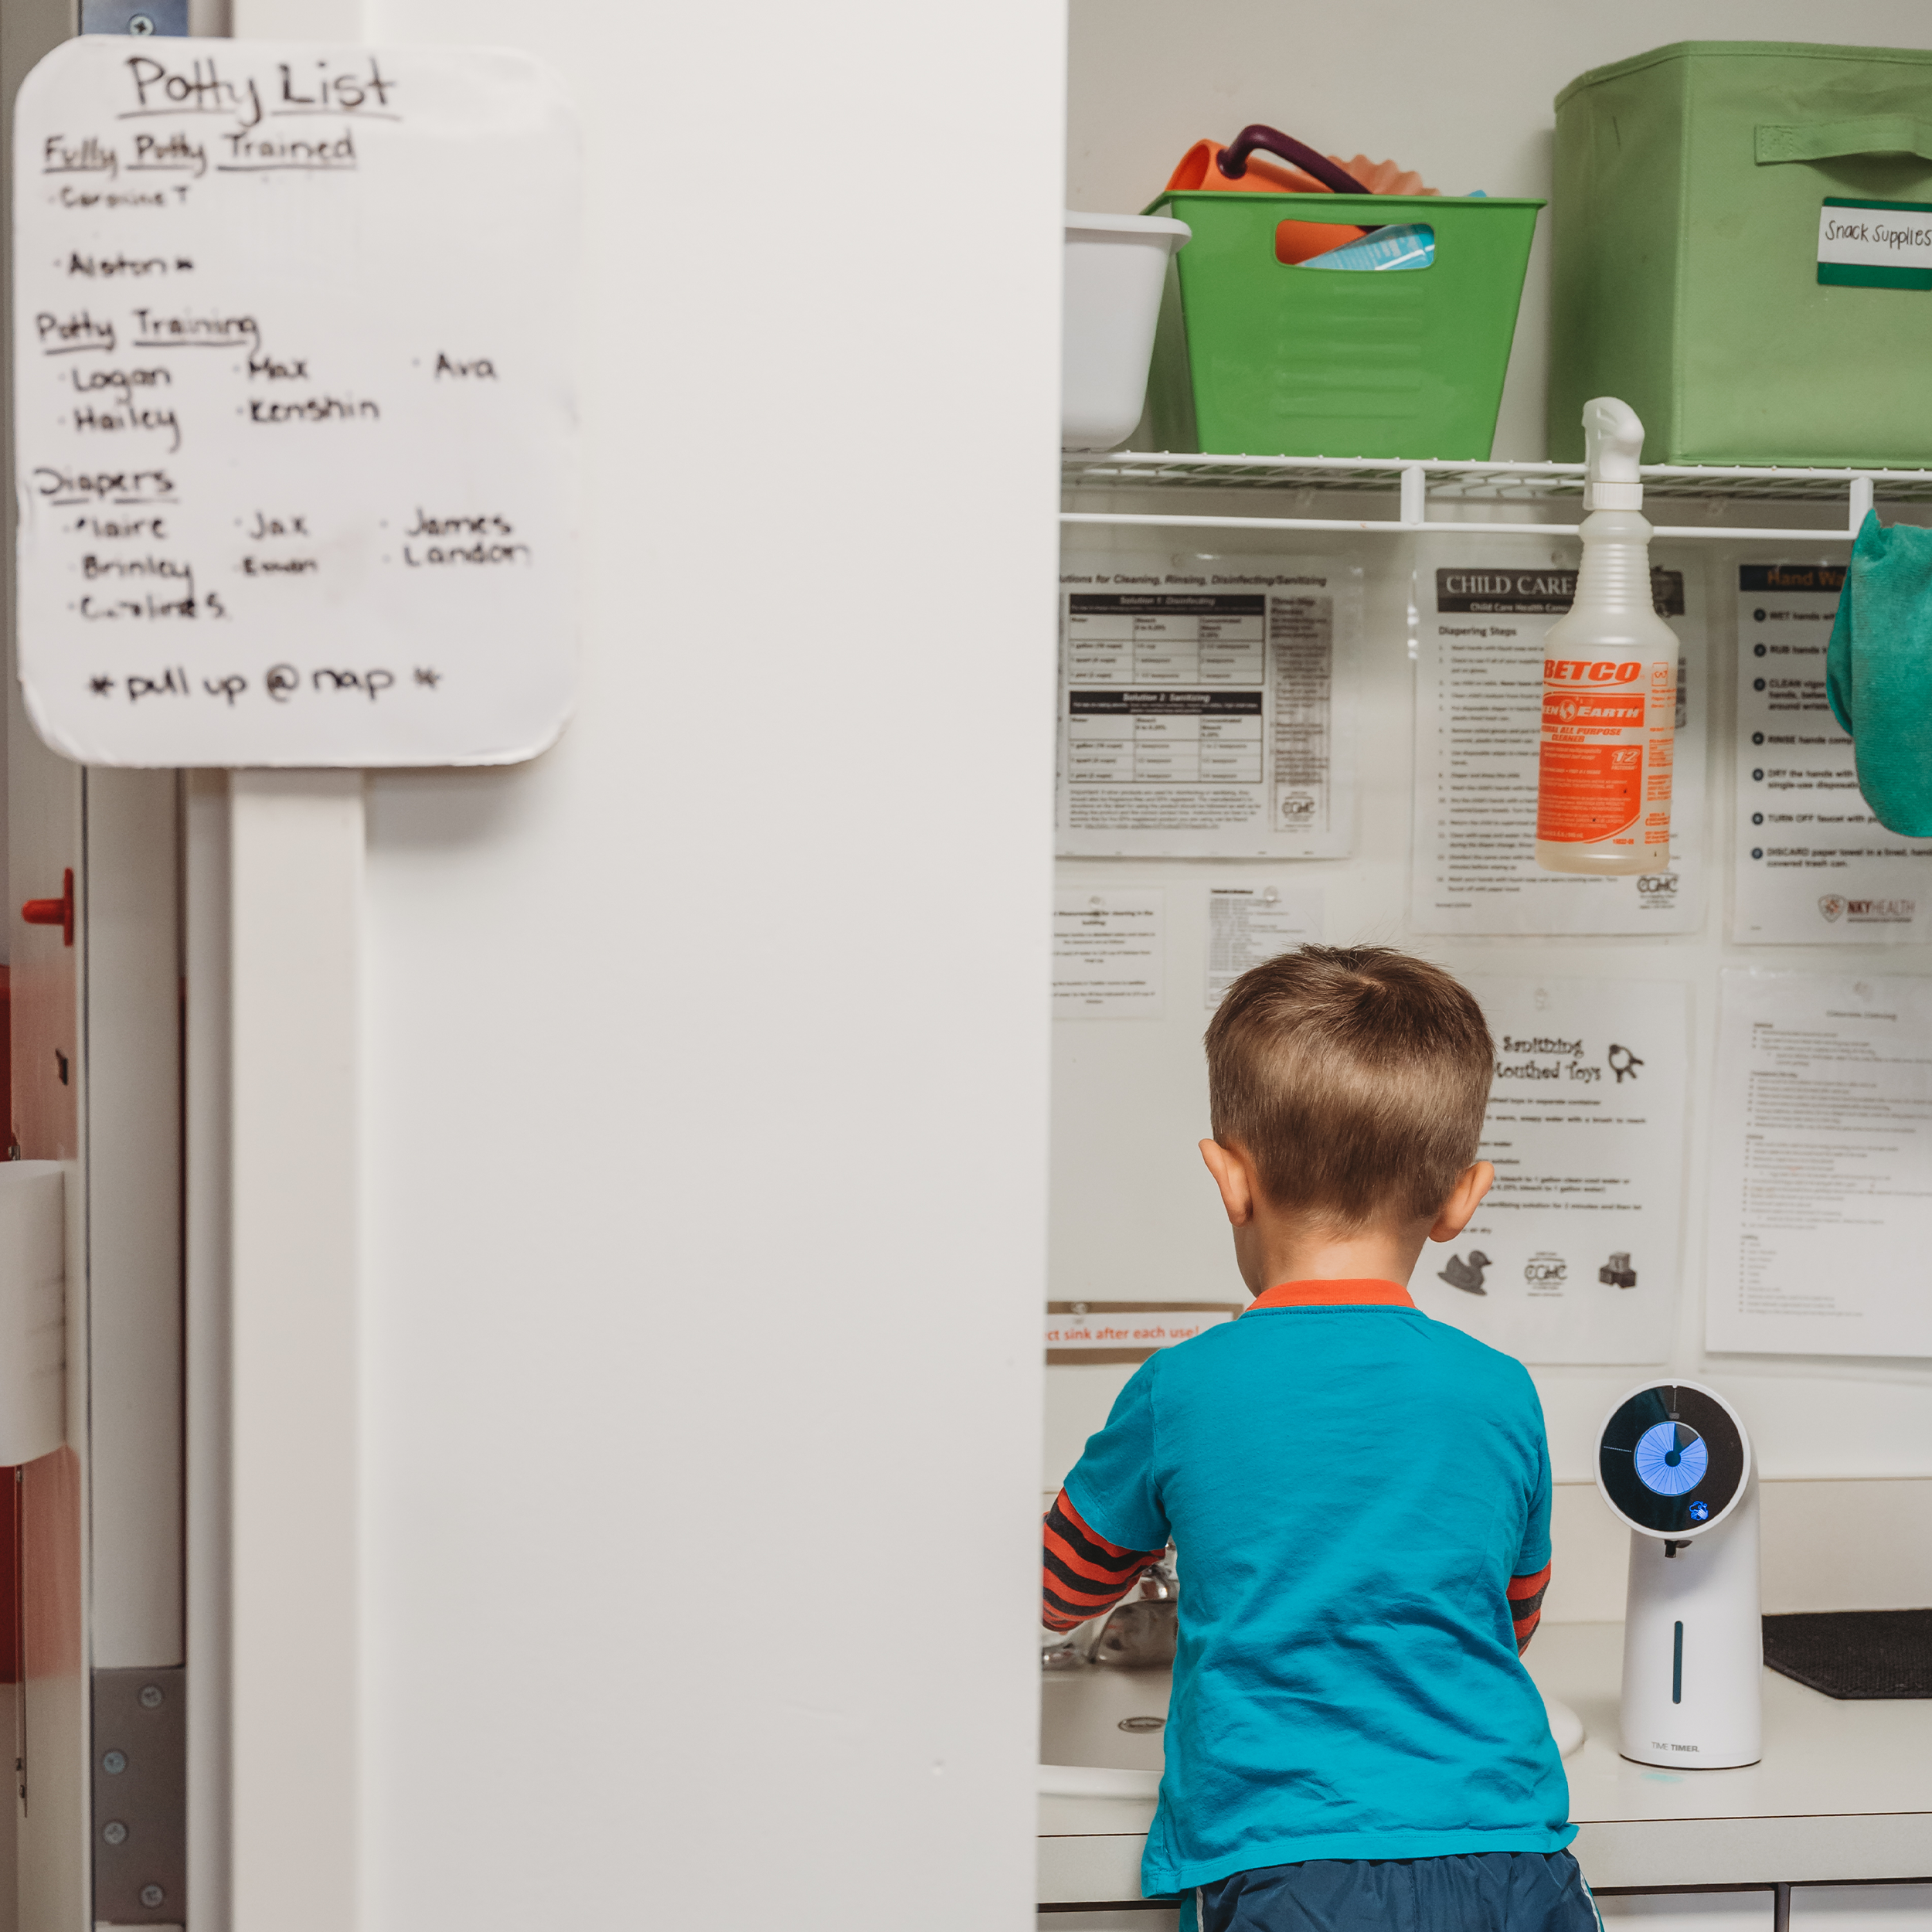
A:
x: 1609, y: 680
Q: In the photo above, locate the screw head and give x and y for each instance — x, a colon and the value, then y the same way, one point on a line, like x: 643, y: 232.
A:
x: 114, y: 1832
x: 152, y: 1896
x: 141, y: 23
x: 151, y: 1697
x: 114, y: 1762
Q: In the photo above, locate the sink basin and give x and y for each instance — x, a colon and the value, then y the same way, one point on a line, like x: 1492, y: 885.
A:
x: 1099, y: 1738
x: 1084, y: 1751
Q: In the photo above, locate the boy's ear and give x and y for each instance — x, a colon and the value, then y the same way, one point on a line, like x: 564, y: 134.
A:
x: 1231, y: 1176
x: 1464, y: 1198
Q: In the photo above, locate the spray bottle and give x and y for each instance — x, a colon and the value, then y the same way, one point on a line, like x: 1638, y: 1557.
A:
x: 1610, y: 679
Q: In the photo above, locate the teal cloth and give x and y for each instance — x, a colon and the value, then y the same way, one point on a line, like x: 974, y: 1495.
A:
x: 1878, y: 672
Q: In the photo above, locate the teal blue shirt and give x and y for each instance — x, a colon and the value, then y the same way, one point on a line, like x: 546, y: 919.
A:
x: 1350, y: 1489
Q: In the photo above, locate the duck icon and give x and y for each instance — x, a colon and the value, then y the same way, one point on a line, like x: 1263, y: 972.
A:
x: 1467, y: 1275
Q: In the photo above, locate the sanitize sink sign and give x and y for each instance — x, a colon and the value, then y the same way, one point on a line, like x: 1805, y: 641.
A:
x: 294, y: 420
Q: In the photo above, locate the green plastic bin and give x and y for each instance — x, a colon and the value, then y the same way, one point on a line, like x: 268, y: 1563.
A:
x: 1690, y: 184
x: 1253, y: 357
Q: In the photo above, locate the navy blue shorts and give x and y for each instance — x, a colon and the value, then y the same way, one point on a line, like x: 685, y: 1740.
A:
x: 1472, y: 1892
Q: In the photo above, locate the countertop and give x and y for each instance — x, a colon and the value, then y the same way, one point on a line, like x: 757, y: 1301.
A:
x: 1844, y: 1790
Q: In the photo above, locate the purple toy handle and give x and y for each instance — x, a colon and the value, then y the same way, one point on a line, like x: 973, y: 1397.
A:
x: 1233, y: 160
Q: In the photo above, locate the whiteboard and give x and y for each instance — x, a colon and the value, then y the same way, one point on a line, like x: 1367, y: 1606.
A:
x: 295, y: 417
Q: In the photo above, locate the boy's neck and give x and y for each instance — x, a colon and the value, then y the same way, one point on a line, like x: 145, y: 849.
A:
x: 1273, y: 1248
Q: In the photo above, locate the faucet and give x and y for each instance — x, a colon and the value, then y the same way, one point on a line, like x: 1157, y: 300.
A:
x: 1140, y: 1632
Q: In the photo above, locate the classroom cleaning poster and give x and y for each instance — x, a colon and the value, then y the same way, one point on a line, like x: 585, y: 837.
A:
x: 1207, y: 706
x: 1573, y: 1256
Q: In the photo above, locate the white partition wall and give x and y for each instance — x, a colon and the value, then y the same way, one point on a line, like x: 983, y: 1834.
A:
x: 704, y: 1061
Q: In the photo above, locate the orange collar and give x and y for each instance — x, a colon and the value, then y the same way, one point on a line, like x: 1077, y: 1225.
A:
x: 1363, y: 1293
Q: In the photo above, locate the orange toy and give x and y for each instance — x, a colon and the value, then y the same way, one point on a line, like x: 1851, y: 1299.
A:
x: 1209, y: 165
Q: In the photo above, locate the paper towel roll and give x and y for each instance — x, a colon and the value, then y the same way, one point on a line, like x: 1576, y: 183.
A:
x: 33, y: 1329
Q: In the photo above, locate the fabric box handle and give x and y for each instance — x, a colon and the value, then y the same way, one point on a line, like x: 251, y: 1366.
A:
x: 1828, y: 139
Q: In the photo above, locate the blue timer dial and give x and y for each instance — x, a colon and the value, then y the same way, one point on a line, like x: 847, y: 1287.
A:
x: 1671, y: 1458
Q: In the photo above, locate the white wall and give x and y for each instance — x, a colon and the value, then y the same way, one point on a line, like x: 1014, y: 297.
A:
x: 1463, y: 93
x: 707, y: 1057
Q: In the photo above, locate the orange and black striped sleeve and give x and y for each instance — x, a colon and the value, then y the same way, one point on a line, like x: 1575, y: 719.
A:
x: 1526, y: 1605
x: 1081, y: 1572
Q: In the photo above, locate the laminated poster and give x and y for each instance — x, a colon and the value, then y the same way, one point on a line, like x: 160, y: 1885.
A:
x: 1814, y: 867
x: 1573, y: 1256
x: 294, y: 411
x: 1481, y: 616
x: 1110, y: 952
x: 1205, y: 707
x: 1821, y: 1176
x: 1249, y: 925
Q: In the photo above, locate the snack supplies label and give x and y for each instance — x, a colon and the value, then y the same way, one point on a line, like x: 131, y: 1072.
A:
x: 1875, y: 244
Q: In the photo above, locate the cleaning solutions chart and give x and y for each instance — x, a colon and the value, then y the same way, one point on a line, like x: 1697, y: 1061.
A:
x: 1814, y: 867
x: 1482, y: 612
x: 295, y: 430
x: 1206, y: 709
x: 1574, y: 1256
x: 1822, y: 1188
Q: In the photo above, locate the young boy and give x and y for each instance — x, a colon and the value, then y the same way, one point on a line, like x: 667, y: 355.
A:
x: 1359, y: 1497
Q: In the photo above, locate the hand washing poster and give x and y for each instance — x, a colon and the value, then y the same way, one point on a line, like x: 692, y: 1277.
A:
x: 1814, y: 867
x: 1573, y: 1256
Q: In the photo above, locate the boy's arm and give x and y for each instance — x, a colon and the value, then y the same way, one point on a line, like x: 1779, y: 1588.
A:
x: 1526, y: 1586
x: 1082, y: 1573
x: 1526, y: 1605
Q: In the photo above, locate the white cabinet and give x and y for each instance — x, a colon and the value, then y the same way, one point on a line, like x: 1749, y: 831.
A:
x: 1862, y: 1908
x: 1690, y: 1912
x: 1161, y: 1918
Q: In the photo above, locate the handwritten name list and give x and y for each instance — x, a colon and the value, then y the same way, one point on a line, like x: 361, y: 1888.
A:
x: 295, y: 415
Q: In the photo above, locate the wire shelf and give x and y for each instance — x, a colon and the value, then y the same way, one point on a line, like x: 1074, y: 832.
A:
x: 1318, y: 481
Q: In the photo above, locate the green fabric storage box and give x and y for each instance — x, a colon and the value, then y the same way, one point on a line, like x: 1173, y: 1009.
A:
x: 1692, y: 186
x: 1254, y: 357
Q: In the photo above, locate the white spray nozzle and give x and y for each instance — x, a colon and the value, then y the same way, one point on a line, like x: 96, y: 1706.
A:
x: 1612, y: 447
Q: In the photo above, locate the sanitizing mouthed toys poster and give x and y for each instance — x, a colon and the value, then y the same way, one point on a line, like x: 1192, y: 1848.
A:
x: 1573, y: 1256
x: 294, y: 413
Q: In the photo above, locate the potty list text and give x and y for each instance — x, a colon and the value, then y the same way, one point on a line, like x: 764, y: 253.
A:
x: 294, y: 422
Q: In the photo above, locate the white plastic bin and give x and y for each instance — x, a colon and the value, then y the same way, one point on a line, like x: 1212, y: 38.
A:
x: 1116, y: 265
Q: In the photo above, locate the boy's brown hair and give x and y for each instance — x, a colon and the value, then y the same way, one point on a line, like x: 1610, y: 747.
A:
x: 1354, y: 1079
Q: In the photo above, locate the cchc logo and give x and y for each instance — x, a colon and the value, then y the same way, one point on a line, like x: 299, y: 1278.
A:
x: 1657, y: 885
x: 1546, y: 1268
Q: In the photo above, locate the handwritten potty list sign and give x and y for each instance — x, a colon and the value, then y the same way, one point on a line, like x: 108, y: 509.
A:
x: 294, y: 417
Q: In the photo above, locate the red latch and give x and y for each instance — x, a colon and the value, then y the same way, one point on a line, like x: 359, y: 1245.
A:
x: 54, y: 912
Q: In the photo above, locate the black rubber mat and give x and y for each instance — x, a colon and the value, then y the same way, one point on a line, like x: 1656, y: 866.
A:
x: 1854, y: 1653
